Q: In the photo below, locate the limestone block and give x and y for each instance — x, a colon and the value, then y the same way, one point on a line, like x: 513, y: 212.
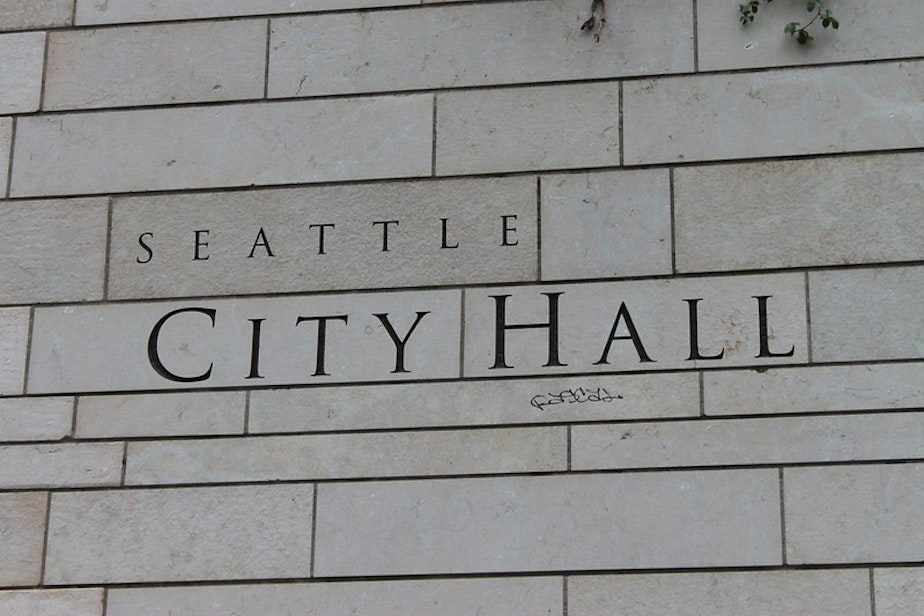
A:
x: 899, y: 591
x: 6, y: 142
x: 551, y: 523
x: 64, y: 465
x: 64, y: 602
x: 14, y: 336
x: 229, y: 145
x: 168, y: 414
x: 21, y: 71
x: 524, y: 129
x: 151, y: 65
x: 826, y: 211
x: 54, y: 251
x: 25, y: 14
x: 35, y: 419
x: 848, y: 108
x: 602, y: 225
x: 220, y: 533
x: 854, y: 514
x: 22, y: 534
x: 867, y: 314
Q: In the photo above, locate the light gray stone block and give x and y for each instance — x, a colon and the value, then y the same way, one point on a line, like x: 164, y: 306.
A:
x: 54, y: 251
x: 155, y: 253
x: 899, y: 591
x: 21, y: 71
x: 525, y: 129
x: 173, y: 414
x: 826, y: 211
x: 459, y: 597
x: 22, y: 534
x: 844, y: 108
x: 63, y: 602
x: 230, y: 145
x: 474, y: 403
x: 601, y: 225
x: 6, y: 142
x: 194, y: 347
x: 727, y: 325
x: 854, y: 514
x: 867, y: 314
x: 777, y: 440
x: 765, y: 593
x: 221, y: 533
x: 867, y: 387
x: 474, y: 44
x: 25, y: 14
x: 64, y: 465
x: 341, y: 456
x: 35, y: 419
x: 14, y: 337
x: 152, y: 65
x: 625, y: 521
x: 867, y: 32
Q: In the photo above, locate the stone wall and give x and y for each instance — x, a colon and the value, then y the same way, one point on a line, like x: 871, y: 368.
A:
x: 386, y: 307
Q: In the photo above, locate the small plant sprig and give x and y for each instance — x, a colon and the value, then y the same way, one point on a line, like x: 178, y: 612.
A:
x: 795, y: 28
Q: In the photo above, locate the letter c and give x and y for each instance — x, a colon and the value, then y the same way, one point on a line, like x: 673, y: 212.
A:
x: 154, y: 358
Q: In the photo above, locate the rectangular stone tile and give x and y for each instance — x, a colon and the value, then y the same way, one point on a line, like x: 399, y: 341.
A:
x: 6, y: 141
x: 768, y: 593
x: 22, y: 534
x: 152, y: 65
x: 25, y: 14
x: 553, y: 523
x: 165, y: 414
x: 35, y: 419
x: 854, y: 514
x: 340, y: 456
x: 868, y: 32
x: 765, y: 440
x: 867, y: 314
x: 817, y: 389
x: 899, y: 591
x: 459, y: 597
x: 246, y: 342
x: 64, y: 602
x: 54, y: 251
x: 639, y: 325
x: 827, y: 211
x: 21, y: 71
x: 553, y: 127
x: 601, y: 225
x: 775, y: 113
x: 473, y: 45
x: 474, y: 403
x: 65, y: 465
x: 325, y: 237
x: 230, y: 145
x: 14, y: 338
x: 224, y: 533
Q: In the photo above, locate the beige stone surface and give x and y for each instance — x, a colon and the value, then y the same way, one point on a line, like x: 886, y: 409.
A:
x: 844, y: 108
x: 35, y: 419
x: 458, y: 597
x: 474, y: 44
x: 826, y: 211
x: 625, y: 521
x: 166, y: 414
x: 854, y: 514
x: 229, y: 145
x: 601, y: 225
x: 339, y: 456
x: 474, y: 403
x: 6, y: 142
x: 867, y: 32
x: 64, y: 602
x: 525, y: 129
x: 25, y: 14
x: 14, y: 337
x: 777, y: 440
x: 221, y: 533
x: 866, y: 314
x: 219, y: 352
x: 54, y: 251
x: 899, y: 591
x: 727, y: 323
x: 354, y: 254
x: 150, y: 65
x: 64, y: 465
x: 21, y: 71
x: 22, y: 532
x: 866, y: 387
x: 765, y: 593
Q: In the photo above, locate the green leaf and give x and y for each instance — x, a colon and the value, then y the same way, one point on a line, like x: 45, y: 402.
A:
x: 791, y: 27
x: 810, y: 6
x: 803, y: 37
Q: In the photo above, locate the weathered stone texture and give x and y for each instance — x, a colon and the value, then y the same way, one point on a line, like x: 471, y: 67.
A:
x: 64, y: 465
x: 22, y: 533
x: 899, y: 591
x: 6, y: 142
x: 14, y: 336
x: 26, y: 14
x: 21, y: 71
x: 64, y: 602
x: 35, y: 419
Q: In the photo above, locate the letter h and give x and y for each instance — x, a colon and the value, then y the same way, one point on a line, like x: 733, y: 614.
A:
x: 501, y: 327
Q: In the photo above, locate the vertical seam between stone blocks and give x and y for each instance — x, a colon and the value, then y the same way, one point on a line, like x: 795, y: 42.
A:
x: 538, y: 228
x: 808, y: 318
x: 702, y: 395
x: 622, y: 140
x: 73, y: 433
x: 564, y: 595
x: 9, y: 163
x: 247, y: 412
x: 105, y: 598
x: 45, y: 537
x: 124, y: 462
x: 782, y: 517
x: 25, y: 372
x: 266, y: 58
x: 462, y: 334
x: 74, y: 13
x: 433, y: 140
x: 670, y: 175
x: 45, y: 70
x: 108, y: 250
x: 314, y: 528
x: 695, y: 38
x: 568, y: 447
x: 872, y: 592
